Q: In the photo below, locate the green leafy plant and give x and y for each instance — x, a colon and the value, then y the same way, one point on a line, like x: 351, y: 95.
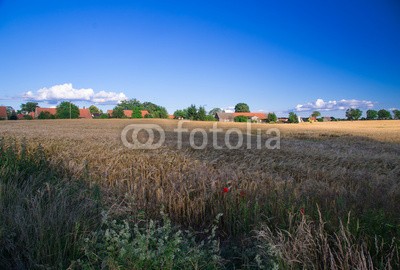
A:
x: 154, y: 245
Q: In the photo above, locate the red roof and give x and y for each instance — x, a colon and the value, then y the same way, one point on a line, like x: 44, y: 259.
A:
x: 251, y: 114
x: 144, y: 113
x: 32, y: 114
x: 171, y: 116
x: 85, y: 113
x: 3, y: 112
x: 20, y: 116
x: 128, y: 113
x: 38, y: 110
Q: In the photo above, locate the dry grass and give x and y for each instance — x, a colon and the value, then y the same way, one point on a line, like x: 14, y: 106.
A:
x: 339, y: 166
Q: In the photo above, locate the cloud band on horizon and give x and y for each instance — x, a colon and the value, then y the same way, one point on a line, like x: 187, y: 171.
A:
x: 66, y: 92
x: 333, y: 105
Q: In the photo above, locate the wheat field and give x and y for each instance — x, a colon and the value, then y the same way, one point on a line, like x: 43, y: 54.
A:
x: 328, y: 198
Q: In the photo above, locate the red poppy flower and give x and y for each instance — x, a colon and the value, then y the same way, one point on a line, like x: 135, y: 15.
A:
x: 242, y: 193
x: 225, y: 190
x: 302, y: 211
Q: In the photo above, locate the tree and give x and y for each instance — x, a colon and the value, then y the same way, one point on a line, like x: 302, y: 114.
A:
x: 272, y: 118
x: 94, y: 110
x: 160, y: 112
x: 201, y: 114
x: 372, y: 114
x: 130, y: 104
x: 66, y: 110
x: 396, y: 114
x: 210, y: 118
x: 240, y: 118
x: 46, y: 115
x: 136, y: 113
x: 242, y: 107
x: 384, y: 115
x: 214, y: 111
x: 293, y: 118
x: 9, y: 110
x: 118, y: 112
x: 13, y: 116
x: 180, y: 114
x: 315, y: 114
x: 155, y: 110
x: 192, y: 112
x: 28, y: 107
x: 353, y: 114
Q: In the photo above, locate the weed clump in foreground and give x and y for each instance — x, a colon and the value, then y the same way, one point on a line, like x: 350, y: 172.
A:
x: 43, y: 213
x: 153, y: 245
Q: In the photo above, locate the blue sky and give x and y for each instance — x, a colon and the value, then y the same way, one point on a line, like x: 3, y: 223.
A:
x: 274, y: 55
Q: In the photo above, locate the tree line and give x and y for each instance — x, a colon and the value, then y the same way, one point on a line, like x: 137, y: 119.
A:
x: 66, y: 110
x: 355, y: 114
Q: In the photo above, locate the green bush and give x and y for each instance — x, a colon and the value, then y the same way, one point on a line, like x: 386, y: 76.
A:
x: 136, y: 113
x: 46, y: 115
x: 28, y: 117
x: 272, y: 118
x: 156, y: 245
x: 67, y: 110
x: 13, y: 116
x: 240, y: 119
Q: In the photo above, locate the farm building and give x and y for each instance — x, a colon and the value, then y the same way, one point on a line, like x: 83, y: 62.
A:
x: 38, y: 110
x: 283, y: 120
x: 85, y: 113
x: 3, y: 113
x: 229, y: 117
x: 254, y: 117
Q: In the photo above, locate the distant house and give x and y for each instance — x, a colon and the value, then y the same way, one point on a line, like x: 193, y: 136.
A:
x: 85, y: 113
x: 128, y: 113
x: 230, y: 117
x: 312, y: 119
x: 38, y: 110
x: 224, y: 117
x: 254, y: 117
x: 283, y: 120
x: 3, y: 113
x: 171, y: 116
x: 20, y: 116
x: 327, y: 119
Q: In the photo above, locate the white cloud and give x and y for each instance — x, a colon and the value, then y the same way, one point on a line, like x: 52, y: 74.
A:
x: 334, y: 105
x: 68, y: 92
x: 229, y: 109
